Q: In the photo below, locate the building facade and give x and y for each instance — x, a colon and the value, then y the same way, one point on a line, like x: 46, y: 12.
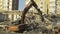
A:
x: 58, y: 6
x: 15, y: 4
x: 10, y: 15
x: 1, y: 4
x: 9, y: 5
x: 50, y: 6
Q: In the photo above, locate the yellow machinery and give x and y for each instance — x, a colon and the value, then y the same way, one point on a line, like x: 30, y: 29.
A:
x: 23, y: 26
x: 13, y: 28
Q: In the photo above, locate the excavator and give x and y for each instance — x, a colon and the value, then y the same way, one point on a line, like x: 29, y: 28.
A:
x: 22, y: 26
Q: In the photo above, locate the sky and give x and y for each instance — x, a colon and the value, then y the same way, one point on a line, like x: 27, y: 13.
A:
x: 21, y: 4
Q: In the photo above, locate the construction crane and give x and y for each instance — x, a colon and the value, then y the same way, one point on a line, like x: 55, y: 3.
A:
x: 23, y: 26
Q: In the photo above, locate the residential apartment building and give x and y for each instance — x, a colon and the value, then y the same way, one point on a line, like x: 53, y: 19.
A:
x: 9, y: 5
x: 50, y: 6
x: 58, y: 6
x: 10, y: 15
x: 43, y: 5
x: 1, y: 5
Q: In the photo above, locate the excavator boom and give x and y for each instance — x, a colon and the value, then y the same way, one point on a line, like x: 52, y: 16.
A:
x: 29, y: 5
x: 24, y: 27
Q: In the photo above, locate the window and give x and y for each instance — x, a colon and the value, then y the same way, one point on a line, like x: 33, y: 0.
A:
x: 52, y: 11
x: 15, y: 6
x: 41, y: 2
x: 41, y: 7
x: 52, y: 6
x: 51, y: 2
x: 14, y: 3
x: 2, y: 17
x: 10, y: 7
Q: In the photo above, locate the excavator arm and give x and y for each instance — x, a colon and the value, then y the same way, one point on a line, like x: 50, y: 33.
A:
x: 29, y: 5
x: 39, y: 11
x: 23, y: 27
